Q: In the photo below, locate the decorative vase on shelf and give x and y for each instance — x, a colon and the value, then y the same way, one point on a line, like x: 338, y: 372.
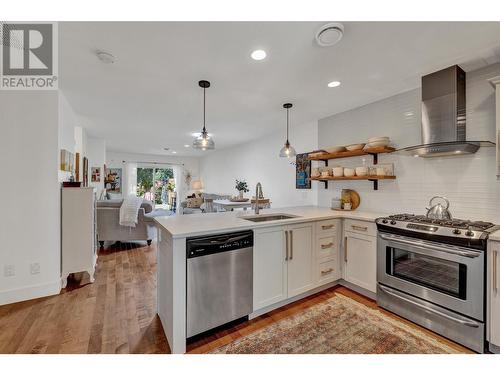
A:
x: 240, y: 196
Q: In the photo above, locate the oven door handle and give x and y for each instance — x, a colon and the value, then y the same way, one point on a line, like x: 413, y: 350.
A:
x: 467, y: 322
x: 445, y: 248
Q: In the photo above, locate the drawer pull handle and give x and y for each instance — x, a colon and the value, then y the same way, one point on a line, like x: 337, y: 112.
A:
x: 357, y: 227
x: 327, y: 245
x: 325, y: 272
x: 325, y: 227
x: 345, y: 249
x: 494, y: 270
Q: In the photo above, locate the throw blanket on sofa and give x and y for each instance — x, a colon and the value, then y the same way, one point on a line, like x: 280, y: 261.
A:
x: 129, y: 211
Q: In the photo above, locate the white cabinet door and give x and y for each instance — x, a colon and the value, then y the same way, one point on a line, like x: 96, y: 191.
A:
x: 494, y: 292
x: 360, y: 260
x: 300, y: 259
x: 269, y: 267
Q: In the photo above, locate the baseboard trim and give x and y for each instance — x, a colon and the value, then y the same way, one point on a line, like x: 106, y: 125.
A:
x: 358, y: 289
x: 493, y: 348
x: 30, y: 292
x: 290, y: 300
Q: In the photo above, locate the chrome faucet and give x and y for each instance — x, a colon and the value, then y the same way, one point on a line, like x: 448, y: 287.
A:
x: 258, y: 194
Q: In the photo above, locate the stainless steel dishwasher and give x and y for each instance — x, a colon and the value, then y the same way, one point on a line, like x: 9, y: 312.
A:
x: 219, y: 280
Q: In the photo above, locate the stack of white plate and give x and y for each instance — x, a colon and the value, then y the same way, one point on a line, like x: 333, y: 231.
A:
x: 376, y: 142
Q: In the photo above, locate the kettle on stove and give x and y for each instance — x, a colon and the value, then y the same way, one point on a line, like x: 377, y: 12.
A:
x: 438, y: 211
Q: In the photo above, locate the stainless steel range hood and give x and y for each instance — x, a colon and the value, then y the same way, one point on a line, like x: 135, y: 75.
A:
x: 444, y: 115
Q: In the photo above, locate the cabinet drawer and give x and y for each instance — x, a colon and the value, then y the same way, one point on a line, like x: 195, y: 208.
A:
x: 326, y: 226
x: 327, y: 271
x: 326, y: 247
x: 358, y: 226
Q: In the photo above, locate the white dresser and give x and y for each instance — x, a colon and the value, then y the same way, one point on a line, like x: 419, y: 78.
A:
x: 78, y: 232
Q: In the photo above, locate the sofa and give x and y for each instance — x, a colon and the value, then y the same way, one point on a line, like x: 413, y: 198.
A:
x: 206, y: 205
x: 109, y: 228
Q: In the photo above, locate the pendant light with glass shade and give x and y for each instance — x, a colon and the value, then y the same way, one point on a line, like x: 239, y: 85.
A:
x: 204, y: 141
x: 287, y: 151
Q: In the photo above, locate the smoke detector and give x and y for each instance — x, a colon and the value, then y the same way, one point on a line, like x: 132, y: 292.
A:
x: 105, y: 57
x: 329, y: 34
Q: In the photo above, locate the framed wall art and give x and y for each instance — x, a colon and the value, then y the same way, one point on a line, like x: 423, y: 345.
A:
x: 302, y: 172
x: 96, y: 174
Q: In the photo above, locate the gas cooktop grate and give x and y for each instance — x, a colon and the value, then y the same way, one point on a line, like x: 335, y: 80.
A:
x: 454, y: 223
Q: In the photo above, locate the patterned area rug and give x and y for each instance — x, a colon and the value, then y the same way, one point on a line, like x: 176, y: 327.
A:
x: 338, y: 325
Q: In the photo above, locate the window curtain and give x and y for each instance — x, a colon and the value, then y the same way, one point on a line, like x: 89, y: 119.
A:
x: 131, y: 179
x: 180, y: 187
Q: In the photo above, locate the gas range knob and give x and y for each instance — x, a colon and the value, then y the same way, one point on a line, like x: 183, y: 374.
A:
x: 384, y: 221
x: 469, y: 233
x: 393, y: 222
x: 457, y: 231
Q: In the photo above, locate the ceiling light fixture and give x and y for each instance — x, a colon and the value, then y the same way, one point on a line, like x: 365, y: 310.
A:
x: 287, y: 151
x: 186, y: 146
x: 329, y: 34
x: 334, y: 84
x: 258, y: 54
x: 204, y: 141
x: 105, y: 57
x: 174, y: 152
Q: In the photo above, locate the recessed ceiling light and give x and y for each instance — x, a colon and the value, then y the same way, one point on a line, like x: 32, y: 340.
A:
x: 258, y: 54
x: 186, y: 146
x: 105, y: 57
x: 334, y: 84
x: 174, y: 152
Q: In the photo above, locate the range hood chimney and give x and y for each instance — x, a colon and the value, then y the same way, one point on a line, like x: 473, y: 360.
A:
x: 444, y: 116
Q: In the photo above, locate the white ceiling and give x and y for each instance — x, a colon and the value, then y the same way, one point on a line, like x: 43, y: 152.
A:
x: 149, y: 98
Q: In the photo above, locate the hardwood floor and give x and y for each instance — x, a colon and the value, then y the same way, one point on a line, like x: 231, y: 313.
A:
x: 117, y: 313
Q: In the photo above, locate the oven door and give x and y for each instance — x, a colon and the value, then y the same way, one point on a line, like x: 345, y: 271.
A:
x: 449, y: 276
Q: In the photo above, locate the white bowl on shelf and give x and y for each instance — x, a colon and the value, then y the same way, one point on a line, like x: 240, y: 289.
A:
x: 349, y: 172
x: 335, y: 149
x: 355, y: 147
x: 338, y: 171
x: 361, y: 171
x: 377, y: 144
x: 377, y: 139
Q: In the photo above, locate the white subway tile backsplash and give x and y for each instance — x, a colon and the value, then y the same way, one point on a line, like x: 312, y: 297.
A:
x: 468, y: 181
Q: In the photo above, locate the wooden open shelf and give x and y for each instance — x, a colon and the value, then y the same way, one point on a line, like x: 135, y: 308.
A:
x: 369, y: 178
x: 374, y: 179
x: 349, y: 154
x: 374, y: 152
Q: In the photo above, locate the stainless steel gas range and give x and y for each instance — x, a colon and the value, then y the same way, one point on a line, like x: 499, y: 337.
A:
x: 432, y: 272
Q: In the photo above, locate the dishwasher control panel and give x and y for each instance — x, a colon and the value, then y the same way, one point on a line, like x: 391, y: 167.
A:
x: 206, y: 245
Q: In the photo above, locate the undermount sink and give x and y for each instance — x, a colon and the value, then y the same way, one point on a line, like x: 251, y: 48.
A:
x: 269, y: 217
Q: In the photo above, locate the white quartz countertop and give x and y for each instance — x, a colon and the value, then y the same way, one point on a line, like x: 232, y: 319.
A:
x: 200, y: 224
x: 495, y: 236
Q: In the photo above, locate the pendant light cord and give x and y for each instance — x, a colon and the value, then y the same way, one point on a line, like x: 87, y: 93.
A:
x: 204, y: 129
x: 287, y: 125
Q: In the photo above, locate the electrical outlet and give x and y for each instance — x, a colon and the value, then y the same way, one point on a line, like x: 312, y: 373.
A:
x: 35, y: 268
x: 9, y: 270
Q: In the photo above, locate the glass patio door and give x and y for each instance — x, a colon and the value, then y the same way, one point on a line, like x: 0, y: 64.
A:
x: 156, y: 185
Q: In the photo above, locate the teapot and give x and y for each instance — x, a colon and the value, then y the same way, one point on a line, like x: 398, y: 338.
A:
x: 438, y: 211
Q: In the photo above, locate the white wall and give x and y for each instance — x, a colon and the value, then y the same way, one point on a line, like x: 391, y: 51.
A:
x: 118, y: 159
x: 259, y: 161
x: 468, y: 181
x: 29, y: 194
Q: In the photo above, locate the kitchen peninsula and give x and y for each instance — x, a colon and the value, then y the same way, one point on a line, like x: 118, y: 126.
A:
x: 292, y: 257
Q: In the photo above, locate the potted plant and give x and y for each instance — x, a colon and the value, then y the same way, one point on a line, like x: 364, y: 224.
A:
x: 242, y: 187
